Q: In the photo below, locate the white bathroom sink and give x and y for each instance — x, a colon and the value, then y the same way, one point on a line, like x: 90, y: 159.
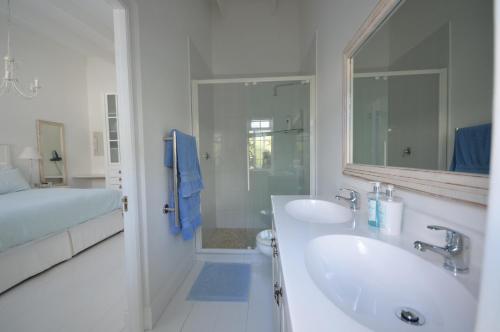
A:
x: 318, y: 211
x: 372, y: 282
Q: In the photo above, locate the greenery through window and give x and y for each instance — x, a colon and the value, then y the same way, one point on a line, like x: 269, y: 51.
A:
x: 260, y: 144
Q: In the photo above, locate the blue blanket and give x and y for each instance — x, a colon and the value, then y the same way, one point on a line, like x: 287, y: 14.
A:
x: 190, y: 184
x: 33, y: 214
x: 472, y: 150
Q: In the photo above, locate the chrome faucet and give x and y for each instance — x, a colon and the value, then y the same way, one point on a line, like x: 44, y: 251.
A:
x: 456, y: 253
x: 353, y: 198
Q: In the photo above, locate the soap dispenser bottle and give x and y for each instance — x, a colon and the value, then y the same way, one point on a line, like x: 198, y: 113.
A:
x: 391, y: 212
x: 374, y: 205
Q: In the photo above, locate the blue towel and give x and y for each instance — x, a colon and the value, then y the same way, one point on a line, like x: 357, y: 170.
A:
x: 472, y: 150
x: 190, y: 184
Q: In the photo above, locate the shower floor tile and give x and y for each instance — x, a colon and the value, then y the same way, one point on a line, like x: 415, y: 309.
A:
x: 230, y: 238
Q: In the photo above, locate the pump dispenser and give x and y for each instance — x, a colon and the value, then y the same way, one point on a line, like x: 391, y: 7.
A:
x: 391, y: 212
x: 374, y: 205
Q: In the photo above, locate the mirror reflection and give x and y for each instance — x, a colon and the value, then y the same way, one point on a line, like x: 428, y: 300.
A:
x: 51, y: 147
x: 422, y: 88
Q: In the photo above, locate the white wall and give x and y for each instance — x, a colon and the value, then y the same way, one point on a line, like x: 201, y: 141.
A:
x: 336, y: 22
x: 162, y: 55
x: 101, y: 79
x: 63, y: 97
x: 250, y: 38
x: 489, y: 305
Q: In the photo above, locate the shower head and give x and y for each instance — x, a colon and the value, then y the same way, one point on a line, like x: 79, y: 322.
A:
x: 276, y: 86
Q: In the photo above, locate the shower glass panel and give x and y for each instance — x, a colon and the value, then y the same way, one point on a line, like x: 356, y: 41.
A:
x: 254, y: 143
x: 399, y: 120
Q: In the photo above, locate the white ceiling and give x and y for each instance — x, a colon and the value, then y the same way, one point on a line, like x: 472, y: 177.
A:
x: 221, y: 5
x: 83, y: 25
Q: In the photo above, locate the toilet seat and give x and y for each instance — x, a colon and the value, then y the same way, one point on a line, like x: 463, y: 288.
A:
x: 264, y: 239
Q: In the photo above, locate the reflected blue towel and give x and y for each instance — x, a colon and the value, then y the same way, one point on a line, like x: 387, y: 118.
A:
x: 472, y: 150
x: 190, y: 184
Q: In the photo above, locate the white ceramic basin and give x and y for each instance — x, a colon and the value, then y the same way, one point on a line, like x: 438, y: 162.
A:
x: 372, y: 281
x: 318, y: 211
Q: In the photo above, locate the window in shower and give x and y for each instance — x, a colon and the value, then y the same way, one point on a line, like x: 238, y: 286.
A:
x: 260, y: 144
x: 254, y: 140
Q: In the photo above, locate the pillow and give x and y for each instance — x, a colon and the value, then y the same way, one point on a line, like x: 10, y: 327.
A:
x: 11, y: 180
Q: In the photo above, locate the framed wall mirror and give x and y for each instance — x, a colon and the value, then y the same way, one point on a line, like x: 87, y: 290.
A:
x: 52, y: 150
x: 418, y: 90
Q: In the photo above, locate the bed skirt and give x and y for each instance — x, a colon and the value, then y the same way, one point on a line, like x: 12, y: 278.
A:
x: 22, y: 262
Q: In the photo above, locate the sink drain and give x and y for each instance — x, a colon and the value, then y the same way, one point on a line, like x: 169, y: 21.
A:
x: 410, y: 316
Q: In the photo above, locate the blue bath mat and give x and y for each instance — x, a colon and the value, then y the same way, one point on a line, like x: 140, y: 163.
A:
x: 228, y: 282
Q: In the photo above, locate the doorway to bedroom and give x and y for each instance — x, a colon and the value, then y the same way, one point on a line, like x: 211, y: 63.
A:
x: 66, y: 149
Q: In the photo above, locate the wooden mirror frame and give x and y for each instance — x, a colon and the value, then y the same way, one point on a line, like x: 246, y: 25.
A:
x: 467, y: 187
x: 39, y: 123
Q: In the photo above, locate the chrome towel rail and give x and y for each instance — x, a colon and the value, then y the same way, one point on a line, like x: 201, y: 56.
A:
x: 175, y: 209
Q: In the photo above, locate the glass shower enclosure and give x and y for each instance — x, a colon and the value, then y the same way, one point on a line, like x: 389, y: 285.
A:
x: 254, y: 141
x: 400, y: 119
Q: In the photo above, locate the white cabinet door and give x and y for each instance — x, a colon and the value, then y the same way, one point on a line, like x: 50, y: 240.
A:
x: 113, y: 156
x: 280, y: 314
x: 276, y: 270
x: 112, y: 130
x: 285, y: 316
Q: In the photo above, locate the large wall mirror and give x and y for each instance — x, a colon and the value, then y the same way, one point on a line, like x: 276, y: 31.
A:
x: 52, y: 151
x: 418, y: 97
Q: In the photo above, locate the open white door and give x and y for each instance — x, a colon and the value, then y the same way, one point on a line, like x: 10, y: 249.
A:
x: 123, y: 63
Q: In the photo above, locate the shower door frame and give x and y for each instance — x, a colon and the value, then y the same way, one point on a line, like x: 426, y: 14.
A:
x: 312, y: 138
x: 446, y: 134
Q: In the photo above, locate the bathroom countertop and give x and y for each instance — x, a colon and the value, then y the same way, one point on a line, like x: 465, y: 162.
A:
x: 309, y: 308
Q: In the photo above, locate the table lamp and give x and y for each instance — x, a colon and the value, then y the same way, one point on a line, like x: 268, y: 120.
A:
x: 30, y: 153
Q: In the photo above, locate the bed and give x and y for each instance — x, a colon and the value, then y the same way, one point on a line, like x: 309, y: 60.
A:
x: 40, y: 228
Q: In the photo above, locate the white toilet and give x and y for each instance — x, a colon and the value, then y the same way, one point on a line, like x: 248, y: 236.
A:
x: 264, y: 242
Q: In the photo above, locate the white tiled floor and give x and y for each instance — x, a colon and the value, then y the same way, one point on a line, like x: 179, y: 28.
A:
x: 252, y: 316
x: 86, y: 293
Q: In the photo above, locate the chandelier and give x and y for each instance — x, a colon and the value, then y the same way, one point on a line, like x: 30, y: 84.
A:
x: 9, y: 80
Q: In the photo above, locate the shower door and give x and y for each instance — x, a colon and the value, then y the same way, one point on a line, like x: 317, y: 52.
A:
x: 254, y: 142
x: 400, y: 119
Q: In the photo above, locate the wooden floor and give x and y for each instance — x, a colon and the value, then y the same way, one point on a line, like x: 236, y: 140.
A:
x: 86, y: 293
x: 252, y: 316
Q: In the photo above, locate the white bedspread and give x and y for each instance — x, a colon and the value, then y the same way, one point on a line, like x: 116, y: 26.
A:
x: 32, y: 214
